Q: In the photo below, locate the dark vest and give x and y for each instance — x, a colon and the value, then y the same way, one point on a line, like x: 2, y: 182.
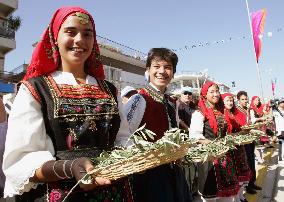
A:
x: 222, y: 128
x: 158, y: 108
x: 77, y: 118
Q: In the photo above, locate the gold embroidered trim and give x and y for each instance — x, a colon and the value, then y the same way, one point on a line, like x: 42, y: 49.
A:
x: 158, y: 97
x: 76, y: 108
x: 83, y: 18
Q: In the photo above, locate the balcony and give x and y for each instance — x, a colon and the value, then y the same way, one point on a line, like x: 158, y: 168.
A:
x: 7, y: 7
x: 7, y: 40
x: 7, y: 33
x: 15, y: 75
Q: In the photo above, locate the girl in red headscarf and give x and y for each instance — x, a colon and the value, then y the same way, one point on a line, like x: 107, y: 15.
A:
x: 217, y: 179
x: 243, y: 171
x: 256, y: 110
x: 64, y: 114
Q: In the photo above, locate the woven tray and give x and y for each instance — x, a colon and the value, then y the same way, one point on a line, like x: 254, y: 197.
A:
x: 244, y: 142
x: 220, y: 154
x: 142, y: 162
x: 257, y: 125
x: 252, y: 126
x: 209, y: 157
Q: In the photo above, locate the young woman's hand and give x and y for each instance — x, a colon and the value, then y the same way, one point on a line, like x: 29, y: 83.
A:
x: 80, y: 168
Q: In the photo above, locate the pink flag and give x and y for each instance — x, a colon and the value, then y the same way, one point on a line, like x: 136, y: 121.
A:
x: 273, y: 85
x: 257, y: 21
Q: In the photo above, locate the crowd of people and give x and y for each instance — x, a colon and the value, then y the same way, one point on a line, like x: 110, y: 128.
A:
x: 65, y: 113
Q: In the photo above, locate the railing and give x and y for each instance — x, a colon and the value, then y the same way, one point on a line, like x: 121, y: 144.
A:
x: 7, y: 33
x: 195, y: 73
x: 4, y: 76
x: 120, y: 48
x: 19, y: 69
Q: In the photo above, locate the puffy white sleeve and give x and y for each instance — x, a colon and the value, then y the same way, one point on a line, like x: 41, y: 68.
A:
x: 196, y: 125
x: 27, y: 145
x: 132, y: 112
x: 123, y: 135
x: 252, y: 116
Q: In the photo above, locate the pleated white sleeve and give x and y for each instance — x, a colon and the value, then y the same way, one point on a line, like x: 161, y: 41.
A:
x: 133, y: 112
x: 252, y: 116
x: 196, y: 125
x: 123, y: 135
x: 27, y: 145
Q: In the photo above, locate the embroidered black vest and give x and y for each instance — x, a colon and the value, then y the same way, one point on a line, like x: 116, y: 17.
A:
x: 77, y: 118
x: 222, y: 128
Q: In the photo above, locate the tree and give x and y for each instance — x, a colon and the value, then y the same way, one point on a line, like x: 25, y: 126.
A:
x: 14, y: 22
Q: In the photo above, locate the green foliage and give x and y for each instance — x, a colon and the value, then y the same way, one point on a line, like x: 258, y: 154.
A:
x: 14, y: 22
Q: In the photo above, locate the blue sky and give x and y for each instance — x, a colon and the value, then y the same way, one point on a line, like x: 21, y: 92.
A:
x: 145, y: 24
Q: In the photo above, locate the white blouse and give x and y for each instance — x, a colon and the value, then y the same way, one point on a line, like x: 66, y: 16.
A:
x: 196, y: 125
x: 28, y: 146
x: 252, y: 116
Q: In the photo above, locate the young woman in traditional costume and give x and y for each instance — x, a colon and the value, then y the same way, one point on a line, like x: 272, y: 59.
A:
x: 64, y: 114
x: 256, y: 110
x: 240, y: 157
x: 153, y: 107
x: 217, y: 179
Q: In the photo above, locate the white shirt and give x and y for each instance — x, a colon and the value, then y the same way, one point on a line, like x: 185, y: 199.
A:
x: 252, y: 116
x: 28, y: 146
x: 279, y: 120
x: 3, y: 131
x: 196, y: 125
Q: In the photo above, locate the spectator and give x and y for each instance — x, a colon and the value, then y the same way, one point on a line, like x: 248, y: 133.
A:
x: 185, y: 108
x: 278, y: 114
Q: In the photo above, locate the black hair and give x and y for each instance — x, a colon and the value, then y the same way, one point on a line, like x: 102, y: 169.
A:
x: 240, y: 93
x: 162, y: 54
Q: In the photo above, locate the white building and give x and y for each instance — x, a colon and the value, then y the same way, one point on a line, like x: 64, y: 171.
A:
x: 122, y: 68
x: 7, y: 36
x: 195, y: 80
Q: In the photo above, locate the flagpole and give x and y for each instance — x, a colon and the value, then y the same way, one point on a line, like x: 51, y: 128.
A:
x: 257, y: 65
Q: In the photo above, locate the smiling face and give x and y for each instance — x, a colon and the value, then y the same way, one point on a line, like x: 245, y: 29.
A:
x: 75, y: 42
x: 256, y: 101
x: 160, y: 73
x: 281, y: 105
x: 228, y: 102
x: 243, y: 100
x: 213, y: 95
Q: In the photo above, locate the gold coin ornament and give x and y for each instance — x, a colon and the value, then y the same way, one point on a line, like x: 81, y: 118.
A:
x: 84, y: 18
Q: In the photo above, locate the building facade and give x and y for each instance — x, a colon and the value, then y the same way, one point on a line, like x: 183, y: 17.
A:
x: 7, y: 35
x: 195, y: 80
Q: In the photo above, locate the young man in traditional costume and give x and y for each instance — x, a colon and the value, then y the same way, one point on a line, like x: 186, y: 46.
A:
x: 243, y: 117
x: 153, y: 107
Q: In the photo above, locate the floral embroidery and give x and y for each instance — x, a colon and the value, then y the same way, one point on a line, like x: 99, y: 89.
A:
x: 134, y: 106
x: 158, y: 97
x: 32, y: 91
x: 243, y: 171
x: 81, y: 100
x: 120, y: 190
x: 55, y: 195
x: 226, y: 178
